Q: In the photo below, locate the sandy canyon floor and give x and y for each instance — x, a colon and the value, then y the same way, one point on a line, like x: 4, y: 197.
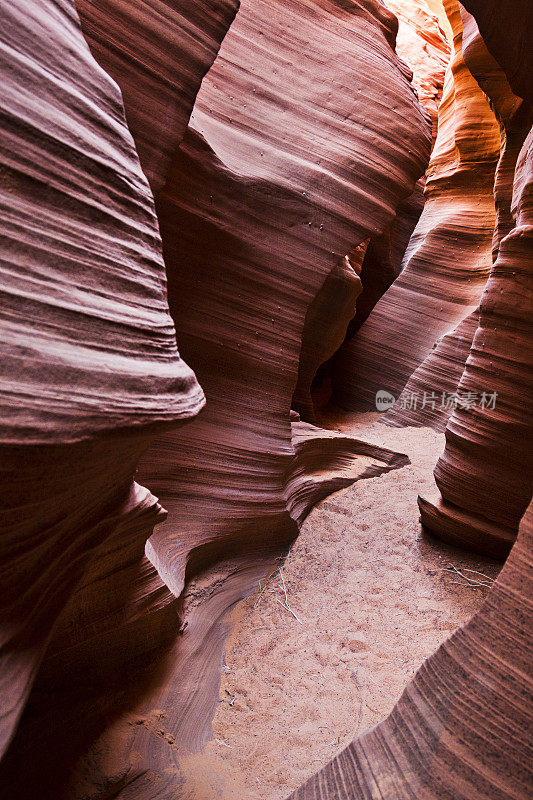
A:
x: 370, y: 597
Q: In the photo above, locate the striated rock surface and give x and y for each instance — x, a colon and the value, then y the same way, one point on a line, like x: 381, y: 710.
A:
x: 421, y: 43
x: 265, y: 197
x: 90, y: 371
x: 444, y: 366
x: 484, y: 476
x: 89, y: 347
x: 506, y: 31
x: 304, y: 146
x: 448, y: 257
x: 305, y: 138
x: 158, y: 51
x: 460, y: 729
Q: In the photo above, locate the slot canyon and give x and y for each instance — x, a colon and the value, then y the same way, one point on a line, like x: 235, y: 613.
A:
x: 266, y: 429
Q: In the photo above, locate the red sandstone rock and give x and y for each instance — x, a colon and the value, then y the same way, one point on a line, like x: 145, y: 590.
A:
x: 262, y: 202
x: 289, y: 163
x: 291, y: 160
x: 449, y: 255
x: 424, y: 48
x: 485, y: 474
x: 90, y: 365
x: 421, y: 43
x: 89, y: 359
x: 442, y: 368
x: 158, y: 51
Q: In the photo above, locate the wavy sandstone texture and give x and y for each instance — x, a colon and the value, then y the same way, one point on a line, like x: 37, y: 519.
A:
x: 443, y: 367
x: 305, y: 144
x: 448, y: 257
x: 421, y: 44
x: 263, y: 200
x: 158, y: 51
x: 90, y: 372
x: 484, y: 476
x: 461, y: 729
x: 89, y: 348
x: 289, y: 163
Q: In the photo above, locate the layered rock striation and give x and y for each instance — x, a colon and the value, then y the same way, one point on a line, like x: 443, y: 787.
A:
x: 448, y: 257
x: 288, y: 164
x: 282, y: 171
x: 484, y: 477
x: 90, y: 372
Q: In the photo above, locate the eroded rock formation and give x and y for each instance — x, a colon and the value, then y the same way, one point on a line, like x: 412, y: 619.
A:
x: 294, y: 177
x: 253, y: 221
x: 448, y: 258
x: 158, y: 51
x: 458, y: 729
x: 90, y: 370
x: 89, y: 356
x: 423, y: 47
x: 484, y: 476
x: 443, y: 367
x: 262, y: 201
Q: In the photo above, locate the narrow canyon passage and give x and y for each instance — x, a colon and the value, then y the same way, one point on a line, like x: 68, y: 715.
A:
x: 266, y: 429
x: 374, y: 596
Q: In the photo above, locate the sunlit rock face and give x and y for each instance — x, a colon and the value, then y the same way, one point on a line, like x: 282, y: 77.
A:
x: 447, y: 261
x: 439, y: 374
x: 484, y: 475
x: 423, y: 46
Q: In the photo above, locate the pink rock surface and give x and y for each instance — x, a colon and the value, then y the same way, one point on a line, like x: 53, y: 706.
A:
x: 158, y: 51
x: 484, y: 476
x: 448, y: 257
x: 289, y: 162
x: 90, y: 372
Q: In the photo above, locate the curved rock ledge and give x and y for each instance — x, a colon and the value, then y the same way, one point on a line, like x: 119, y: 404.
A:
x: 484, y: 474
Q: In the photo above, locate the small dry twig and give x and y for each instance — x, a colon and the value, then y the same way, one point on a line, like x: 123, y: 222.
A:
x: 262, y: 588
x: 221, y: 741
x: 286, y: 603
x: 289, y: 610
x: 475, y: 583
